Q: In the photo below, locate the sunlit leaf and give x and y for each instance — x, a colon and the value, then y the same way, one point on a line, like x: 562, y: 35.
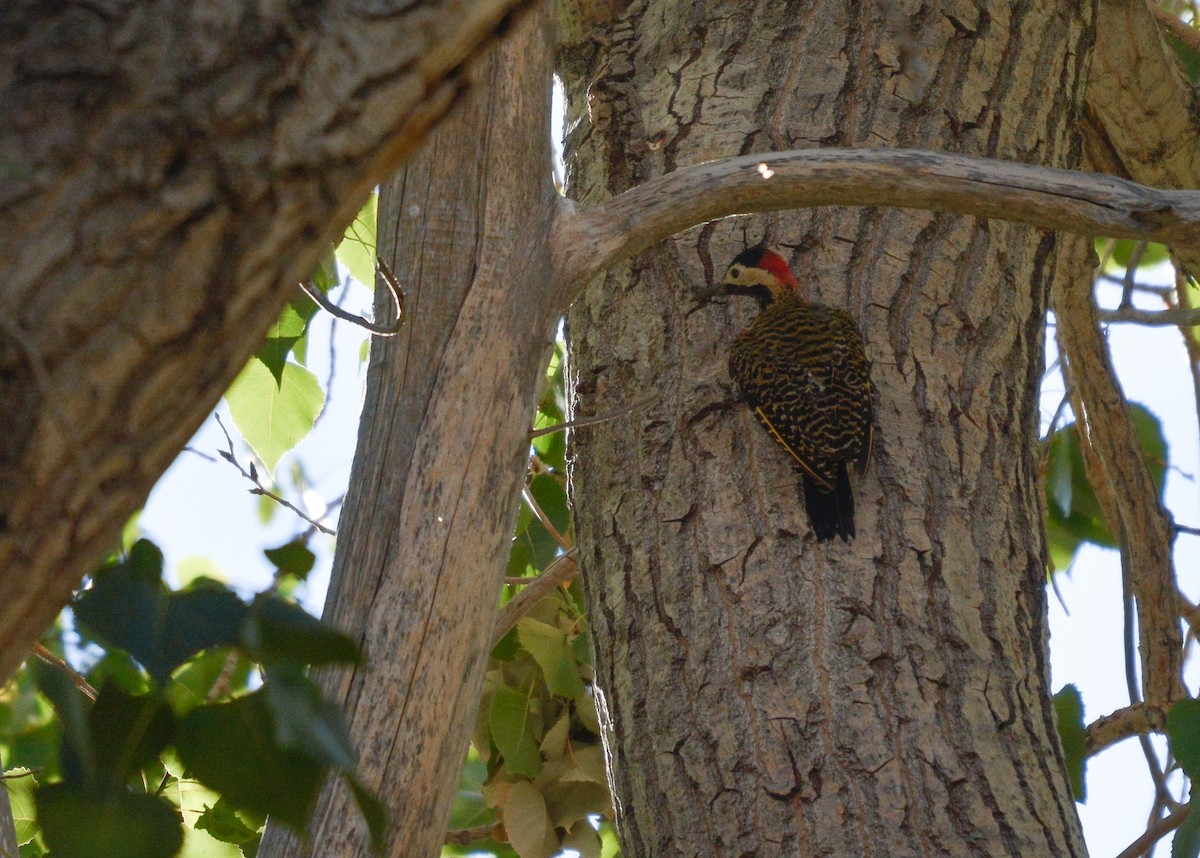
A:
x: 548, y: 646
x: 274, y: 416
x: 357, y: 248
x: 21, y: 784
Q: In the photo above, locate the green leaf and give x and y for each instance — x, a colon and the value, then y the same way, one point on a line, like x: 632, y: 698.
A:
x: 117, y: 666
x: 325, y: 275
x: 127, y: 732
x: 295, y: 558
x: 289, y: 329
x: 356, y: 250
x: 1073, y: 512
x: 191, y: 684
x: 77, y: 756
x: 1068, y: 706
x: 527, y: 823
x: 78, y: 824
x: 231, y: 748
x: 305, y: 722
x: 127, y: 608
x: 21, y: 786
x: 1187, y: 837
x: 512, y: 731
x: 198, y: 569
x: 280, y: 632
x: 470, y: 809
x: 533, y: 542
x: 274, y: 416
x: 1123, y: 249
x: 1183, y: 732
x: 223, y: 822
x: 1189, y: 59
x: 548, y: 646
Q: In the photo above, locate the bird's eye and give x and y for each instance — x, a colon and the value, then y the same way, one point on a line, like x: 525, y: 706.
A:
x: 735, y: 272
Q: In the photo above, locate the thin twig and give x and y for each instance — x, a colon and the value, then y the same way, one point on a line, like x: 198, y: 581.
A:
x: 467, y: 836
x: 599, y: 418
x: 379, y: 330
x: 1135, y: 259
x: 1163, y: 292
x: 259, y: 489
x: 1154, y: 833
x: 544, y: 519
x: 562, y: 570
x: 1177, y: 28
x: 77, y: 678
x: 1183, y: 317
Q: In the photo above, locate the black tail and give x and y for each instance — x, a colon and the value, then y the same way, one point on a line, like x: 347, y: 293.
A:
x: 831, y: 513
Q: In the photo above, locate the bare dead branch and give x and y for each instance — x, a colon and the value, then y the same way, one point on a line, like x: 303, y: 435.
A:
x: 77, y: 678
x: 589, y: 239
x: 1173, y: 26
x: 559, y: 572
x: 376, y: 329
x: 1154, y: 833
x: 1131, y: 721
x: 259, y: 489
x: 1182, y: 317
x: 467, y: 836
x: 544, y: 519
x: 591, y: 421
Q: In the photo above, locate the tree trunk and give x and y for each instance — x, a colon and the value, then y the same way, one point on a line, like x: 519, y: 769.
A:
x: 442, y: 449
x: 171, y: 170
x: 765, y: 694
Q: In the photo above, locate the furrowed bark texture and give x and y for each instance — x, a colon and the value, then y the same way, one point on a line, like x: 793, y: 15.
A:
x: 766, y: 695
x: 442, y: 450
x: 170, y: 172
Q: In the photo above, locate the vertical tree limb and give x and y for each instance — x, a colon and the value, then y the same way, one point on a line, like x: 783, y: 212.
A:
x: 442, y: 449
x: 1115, y: 465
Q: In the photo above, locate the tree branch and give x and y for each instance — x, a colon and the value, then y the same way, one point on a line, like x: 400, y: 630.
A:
x: 1113, y: 458
x: 589, y: 239
x: 560, y: 571
x: 1136, y: 720
x: 1154, y: 833
x: 1179, y: 316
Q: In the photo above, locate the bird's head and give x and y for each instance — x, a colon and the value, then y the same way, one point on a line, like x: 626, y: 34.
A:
x: 761, y: 274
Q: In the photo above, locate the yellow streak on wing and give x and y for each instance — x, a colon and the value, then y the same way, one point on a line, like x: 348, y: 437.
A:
x: 870, y: 446
x: 775, y: 434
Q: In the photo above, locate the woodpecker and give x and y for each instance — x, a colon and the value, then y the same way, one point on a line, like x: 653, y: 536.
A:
x: 803, y: 370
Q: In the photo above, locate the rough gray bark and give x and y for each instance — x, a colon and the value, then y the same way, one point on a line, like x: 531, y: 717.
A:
x: 766, y: 695
x: 170, y: 171
x: 442, y: 449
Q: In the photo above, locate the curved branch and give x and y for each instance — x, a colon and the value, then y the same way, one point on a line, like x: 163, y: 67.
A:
x: 587, y: 240
x: 1136, y: 720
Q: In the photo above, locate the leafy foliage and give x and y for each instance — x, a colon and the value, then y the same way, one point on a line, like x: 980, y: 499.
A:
x: 1073, y: 512
x: 108, y: 778
x: 535, y: 779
